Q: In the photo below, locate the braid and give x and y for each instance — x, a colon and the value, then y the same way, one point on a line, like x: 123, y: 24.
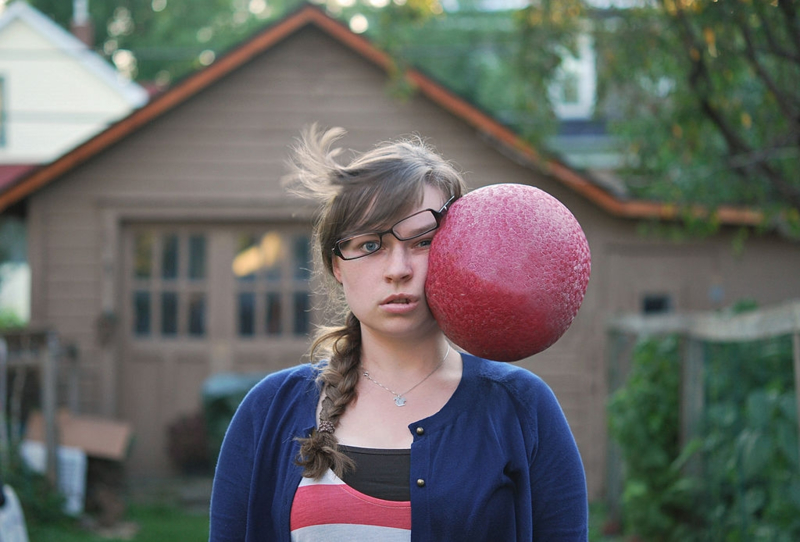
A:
x: 320, y: 452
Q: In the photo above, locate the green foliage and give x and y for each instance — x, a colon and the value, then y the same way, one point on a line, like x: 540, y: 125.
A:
x: 168, y: 37
x: 747, y: 454
x: 658, y: 502
x: 10, y: 320
x: 705, y: 97
x: 41, y: 503
x: 751, y: 445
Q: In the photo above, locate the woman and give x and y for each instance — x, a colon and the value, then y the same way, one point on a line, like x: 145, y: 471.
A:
x: 395, y: 435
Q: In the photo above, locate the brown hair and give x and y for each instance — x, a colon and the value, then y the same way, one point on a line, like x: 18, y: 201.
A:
x: 372, y: 190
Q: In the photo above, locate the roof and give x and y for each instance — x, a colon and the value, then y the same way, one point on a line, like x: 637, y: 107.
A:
x: 131, y: 92
x: 9, y: 173
x: 311, y: 15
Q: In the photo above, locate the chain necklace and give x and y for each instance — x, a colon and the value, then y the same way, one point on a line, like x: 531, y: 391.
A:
x: 399, y: 398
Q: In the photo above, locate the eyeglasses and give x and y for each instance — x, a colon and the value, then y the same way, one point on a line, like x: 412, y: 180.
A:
x: 411, y: 227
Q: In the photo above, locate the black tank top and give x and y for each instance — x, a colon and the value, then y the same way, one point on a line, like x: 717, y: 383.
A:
x: 380, y: 473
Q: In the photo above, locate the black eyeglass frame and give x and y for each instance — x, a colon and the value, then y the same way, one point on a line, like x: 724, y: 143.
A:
x: 437, y: 215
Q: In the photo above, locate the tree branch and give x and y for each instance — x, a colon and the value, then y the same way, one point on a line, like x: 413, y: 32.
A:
x: 700, y: 82
x: 792, y: 23
x: 774, y: 48
x: 783, y: 100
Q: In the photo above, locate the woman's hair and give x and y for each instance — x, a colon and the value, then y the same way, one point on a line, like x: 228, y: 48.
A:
x: 374, y: 189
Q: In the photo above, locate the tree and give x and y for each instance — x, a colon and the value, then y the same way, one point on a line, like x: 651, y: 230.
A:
x: 160, y: 41
x: 705, y: 95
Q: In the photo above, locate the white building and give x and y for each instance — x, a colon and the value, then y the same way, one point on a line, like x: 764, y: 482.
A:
x: 55, y: 93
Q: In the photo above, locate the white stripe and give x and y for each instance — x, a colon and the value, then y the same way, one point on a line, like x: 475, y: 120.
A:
x: 348, y: 533
x: 329, y: 478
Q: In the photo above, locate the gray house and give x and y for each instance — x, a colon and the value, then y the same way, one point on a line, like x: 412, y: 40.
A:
x: 166, y: 249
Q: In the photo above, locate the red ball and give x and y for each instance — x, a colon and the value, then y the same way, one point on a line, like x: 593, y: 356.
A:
x: 507, y: 271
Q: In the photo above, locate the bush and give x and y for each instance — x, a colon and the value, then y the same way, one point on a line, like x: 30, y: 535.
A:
x: 748, y: 450
x: 659, y: 504
x: 41, y: 503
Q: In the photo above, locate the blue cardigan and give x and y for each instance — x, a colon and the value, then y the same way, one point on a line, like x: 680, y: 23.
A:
x: 498, y: 461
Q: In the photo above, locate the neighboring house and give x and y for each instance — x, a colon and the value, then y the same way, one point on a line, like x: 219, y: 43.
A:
x: 55, y: 93
x: 167, y: 250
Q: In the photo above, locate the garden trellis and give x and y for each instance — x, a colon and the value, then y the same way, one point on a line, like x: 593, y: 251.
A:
x: 715, y: 347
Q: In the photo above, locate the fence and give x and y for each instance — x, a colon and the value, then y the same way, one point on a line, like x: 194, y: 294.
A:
x: 29, y: 357
x: 703, y: 335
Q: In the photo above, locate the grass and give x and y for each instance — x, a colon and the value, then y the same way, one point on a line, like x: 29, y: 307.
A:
x: 155, y: 522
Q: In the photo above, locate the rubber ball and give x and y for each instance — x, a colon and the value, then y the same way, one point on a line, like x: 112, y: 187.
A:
x: 507, y: 271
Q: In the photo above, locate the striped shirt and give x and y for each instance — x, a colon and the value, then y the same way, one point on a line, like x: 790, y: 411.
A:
x: 329, y: 510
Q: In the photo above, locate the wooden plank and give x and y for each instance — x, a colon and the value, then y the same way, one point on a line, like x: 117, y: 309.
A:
x: 50, y: 405
x: 692, y: 398
x: 796, y: 356
x: 762, y: 324
x: 5, y: 447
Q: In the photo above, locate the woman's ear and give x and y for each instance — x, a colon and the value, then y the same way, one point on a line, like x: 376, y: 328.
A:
x: 337, y: 273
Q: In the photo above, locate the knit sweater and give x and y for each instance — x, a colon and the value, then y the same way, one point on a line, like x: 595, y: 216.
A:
x: 497, y: 463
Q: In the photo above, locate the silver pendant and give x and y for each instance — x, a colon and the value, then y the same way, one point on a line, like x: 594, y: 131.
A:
x: 399, y: 400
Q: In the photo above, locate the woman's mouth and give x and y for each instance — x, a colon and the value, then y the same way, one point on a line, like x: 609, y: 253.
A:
x: 399, y: 303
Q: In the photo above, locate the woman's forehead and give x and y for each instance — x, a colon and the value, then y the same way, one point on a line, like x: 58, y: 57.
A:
x: 381, y: 215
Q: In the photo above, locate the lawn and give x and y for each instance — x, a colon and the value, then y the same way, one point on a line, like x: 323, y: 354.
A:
x: 154, y: 523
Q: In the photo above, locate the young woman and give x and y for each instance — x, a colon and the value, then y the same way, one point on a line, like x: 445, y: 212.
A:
x: 393, y: 435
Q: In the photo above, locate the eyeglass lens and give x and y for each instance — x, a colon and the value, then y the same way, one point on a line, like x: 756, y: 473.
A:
x: 410, y: 227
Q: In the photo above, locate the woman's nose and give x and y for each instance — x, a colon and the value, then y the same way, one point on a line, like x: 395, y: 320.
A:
x: 398, y: 265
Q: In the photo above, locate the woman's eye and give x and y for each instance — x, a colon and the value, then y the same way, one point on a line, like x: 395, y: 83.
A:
x: 425, y: 243
x: 370, y: 246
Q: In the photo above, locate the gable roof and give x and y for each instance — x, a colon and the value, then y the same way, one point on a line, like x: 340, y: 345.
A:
x: 311, y: 15
x: 131, y: 92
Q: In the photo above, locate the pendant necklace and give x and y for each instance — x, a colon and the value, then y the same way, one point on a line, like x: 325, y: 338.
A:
x: 399, y: 398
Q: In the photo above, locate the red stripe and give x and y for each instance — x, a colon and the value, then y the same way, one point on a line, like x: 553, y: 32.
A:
x: 325, y: 504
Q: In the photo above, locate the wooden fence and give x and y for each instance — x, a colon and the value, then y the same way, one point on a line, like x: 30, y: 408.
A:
x: 696, y: 329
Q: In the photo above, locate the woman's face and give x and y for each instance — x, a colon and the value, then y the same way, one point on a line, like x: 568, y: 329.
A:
x: 386, y: 290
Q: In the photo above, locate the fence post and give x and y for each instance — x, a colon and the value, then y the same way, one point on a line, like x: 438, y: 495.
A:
x: 5, y: 448
x: 796, y: 355
x: 618, y: 370
x: 50, y: 405
x: 692, y: 397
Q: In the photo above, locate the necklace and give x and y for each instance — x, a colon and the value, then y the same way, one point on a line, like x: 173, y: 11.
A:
x: 399, y: 398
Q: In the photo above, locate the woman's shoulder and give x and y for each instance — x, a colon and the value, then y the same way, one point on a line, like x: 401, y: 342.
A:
x: 502, y: 372
x: 520, y: 384
x: 292, y: 382
x: 290, y: 376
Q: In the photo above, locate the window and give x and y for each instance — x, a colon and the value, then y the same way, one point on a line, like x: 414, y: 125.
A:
x: 272, y: 270
x: 656, y: 304
x: 169, y: 290
x: 573, y: 90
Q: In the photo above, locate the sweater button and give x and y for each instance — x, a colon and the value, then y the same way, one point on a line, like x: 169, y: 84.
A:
x: 420, y: 431
x: 421, y: 483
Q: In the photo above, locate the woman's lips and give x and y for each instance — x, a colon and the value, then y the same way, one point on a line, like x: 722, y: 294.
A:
x: 400, y: 303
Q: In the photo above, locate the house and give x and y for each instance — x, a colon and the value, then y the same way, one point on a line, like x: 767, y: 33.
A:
x: 139, y: 239
x: 55, y: 92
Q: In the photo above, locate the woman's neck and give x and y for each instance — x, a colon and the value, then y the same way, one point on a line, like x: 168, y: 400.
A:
x: 402, y: 357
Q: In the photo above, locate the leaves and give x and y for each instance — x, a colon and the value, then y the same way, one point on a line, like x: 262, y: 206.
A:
x: 749, y: 489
